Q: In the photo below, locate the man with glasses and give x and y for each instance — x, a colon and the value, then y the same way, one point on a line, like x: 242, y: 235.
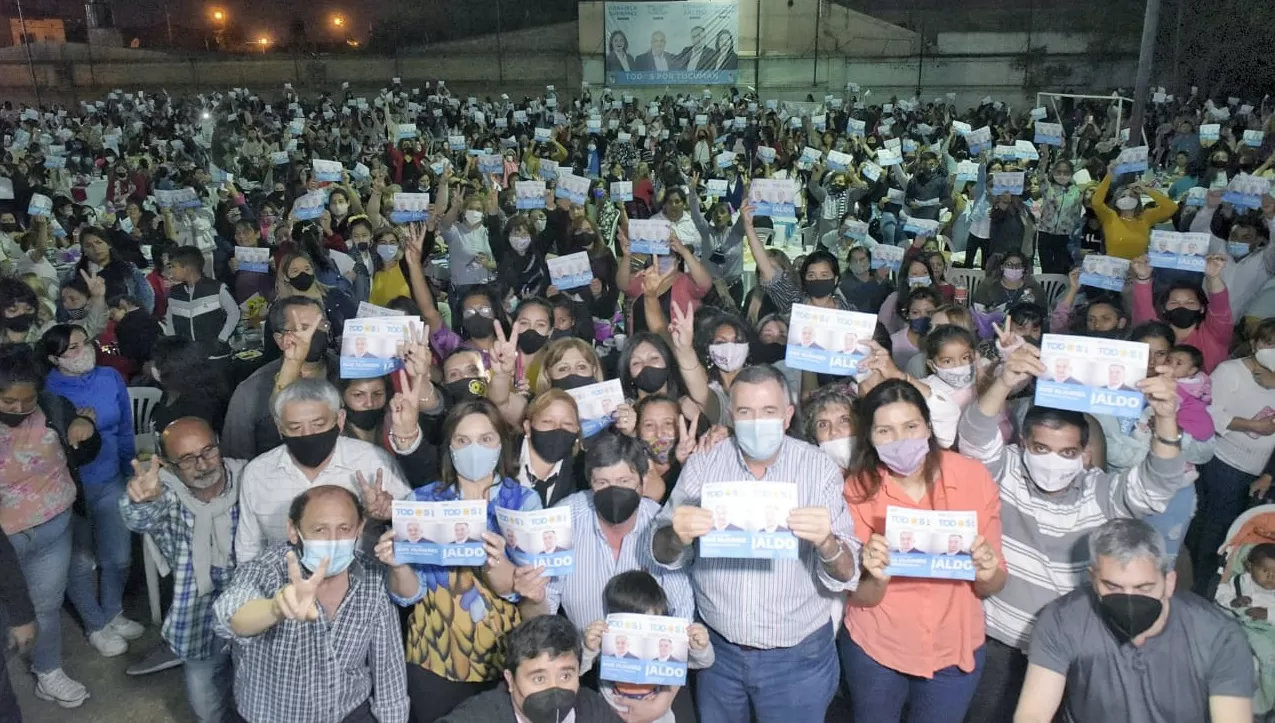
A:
x: 187, y: 499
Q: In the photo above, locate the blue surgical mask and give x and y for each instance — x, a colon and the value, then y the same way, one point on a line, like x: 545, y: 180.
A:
x: 759, y: 438
x: 340, y: 553
x: 475, y: 461
x: 387, y: 252
x: 1238, y: 249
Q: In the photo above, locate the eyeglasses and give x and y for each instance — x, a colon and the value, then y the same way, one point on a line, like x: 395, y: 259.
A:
x: 208, y: 454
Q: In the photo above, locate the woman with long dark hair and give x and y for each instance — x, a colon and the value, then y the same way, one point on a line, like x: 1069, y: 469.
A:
x: 122, y: 278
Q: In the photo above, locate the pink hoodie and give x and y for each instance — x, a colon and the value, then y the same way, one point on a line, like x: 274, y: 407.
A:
x: 1212, y: 336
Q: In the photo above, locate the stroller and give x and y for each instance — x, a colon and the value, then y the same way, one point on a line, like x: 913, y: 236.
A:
x: 1256, y: 526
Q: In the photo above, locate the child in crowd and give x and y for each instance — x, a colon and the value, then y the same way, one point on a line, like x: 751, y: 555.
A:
x: 638, y: 593
x: 1194, y: 397
x: 1250, y: 596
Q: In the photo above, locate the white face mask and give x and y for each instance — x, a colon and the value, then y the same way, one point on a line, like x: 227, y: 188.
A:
x: 540, y: 224
x: 340, y: 209
x: 82, y: 363
x: 728, y: 356
x: 957, y: 377
x: 1051, y: 471
x: 473, y: 218
x: 1266, y: 357
x: 520, y: 243
x: 1126, y: 203
x: 840, y: 450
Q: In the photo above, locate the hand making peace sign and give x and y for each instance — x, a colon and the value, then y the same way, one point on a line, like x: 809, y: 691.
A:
x: 145, y: 485
x: 296, y: 600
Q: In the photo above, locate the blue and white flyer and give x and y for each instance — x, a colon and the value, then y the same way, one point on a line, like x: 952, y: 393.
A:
x: 644, y: 649
x: 930, y: 543
x: 373, y: 347
x: 749, y: 520
x: 649, y: 236
x: 597, y: 404
x: 529, y: 194
x: 253, y: 258
x: 570, y: 271
x: 410, y: 207
x: 828, y: 341
x: 1104, y: 272
x: 1181, y: 251
x: 449, y: 534
x: 1085, y: 374
x: 772, y: 197
x: 539, y: 538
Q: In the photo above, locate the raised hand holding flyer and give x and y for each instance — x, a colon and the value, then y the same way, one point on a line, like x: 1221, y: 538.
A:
x: 890, y: 257
x: 529, y: 194
x: 310, y: 206
x: 597, y: 403
x: 1181, y: 251
x: 749, y: 520
x: 570, y: 271
x: 1049, y: 134
x: 1246, y: 191
x: 539, y: 538
x: 644, y: 649
x: 1132, y: 160
x: 930, y: 543
x: 573, y: 188
x: 373, y: 347
x: 772, y: 197
x: 440, y: 533
x: 828, y: 341
x: 1085, y: 374
x: 410, y: 207
x: 327, y: 171
x: 839, y: 161
x: 622, y: 191
x: 649, y: 236
x: 253, y: 259
x: 1104, y: 272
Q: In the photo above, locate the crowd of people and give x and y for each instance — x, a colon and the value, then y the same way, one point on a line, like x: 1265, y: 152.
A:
x: 129, y: 238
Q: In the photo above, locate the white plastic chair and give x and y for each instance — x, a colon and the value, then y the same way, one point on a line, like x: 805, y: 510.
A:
x: 1053, y: 285
x: 145, y: 400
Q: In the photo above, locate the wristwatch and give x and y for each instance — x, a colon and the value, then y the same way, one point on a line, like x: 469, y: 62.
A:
x: 1171, y: 442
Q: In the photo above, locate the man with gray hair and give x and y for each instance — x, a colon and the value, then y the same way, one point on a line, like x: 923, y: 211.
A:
x: 309, y: 418
x: 1126, y: 649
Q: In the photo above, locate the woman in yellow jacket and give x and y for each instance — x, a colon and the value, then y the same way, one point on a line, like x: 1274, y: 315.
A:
x: 389, y: 281
x: 1127, y: 227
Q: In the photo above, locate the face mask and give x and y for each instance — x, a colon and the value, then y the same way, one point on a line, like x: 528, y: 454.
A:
x: 302, y: 281
x: 904, y: 457
x: 13, y: 419
x: 20, y: 323
x: 520, y: 243
x: 572, y: 381
x: 859, y: 267
x: 920, y: 325
x: 1126, y: 203
x: 768, y: 352
x: 661, y: 448
x: 549, y: 706
x: 473, y: 218
x: 77, y: 314
x: 1052, y: 472
x: 1129, y: 616
x: 1238, y: 249
x: 1182, y: 317
x: 553, y: 445
x: 616, y: 504
x: 364, y: 419
x: 464, y: 390
x: 387, y: 252
x: 759, y: 438
x: 540, y: 224
x: 339, y: 553
x: 915, y: 281
x: 651, y: 379
x: 478, y: 326
x: 340, y: 209
x: 1012, y: 274
x: 1266, y: 357
x: 82, y: 363
x: 728, y: 356
x: 840, y: 450
x: 8, y: 227
x: 820, y: 288
x: 474, y: 461
x: 309, y: 450
x: 957, y: 377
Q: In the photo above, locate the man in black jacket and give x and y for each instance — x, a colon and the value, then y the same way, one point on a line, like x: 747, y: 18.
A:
x: 542, y: 652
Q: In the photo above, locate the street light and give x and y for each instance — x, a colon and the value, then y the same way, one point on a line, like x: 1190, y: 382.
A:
x: 264, y: 42
x: 219, y: 16
x: 338, y: 21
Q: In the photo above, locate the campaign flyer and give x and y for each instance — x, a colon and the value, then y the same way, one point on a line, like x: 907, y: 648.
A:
x: 930, y: 543
x: 548, y: 169
x: 180, y: 198
x: 410, y: 207
x: 308, y: 206
x: 839, y: 161
x: 749, y: 520
x: 1007, y: 182
x: 1246, y: 191
x: 529, y: 194
x: 772, y: 197
x: 252, y: 258
x: 573, y: 188
x: 597, y: 403
x: 1132, y: 160
x: 1049, y: 134
x: 1104, y: 272
x: 920, y: 226
x: 644, y: 649
x: 449, y: 534
x: 539, y: 538
x: 1086, y: 374
x: 966, y: 171
x: 890, y: 257
x: 327, y: 171
x: 40, y: 205
x: 570, y: 271
x: 828, y: 341
x: 649, y: 236
x: 491, y: 163
x: 373, y: 347
x: 372, y: 311
x: 622, y: 191
x: 1181, y: 251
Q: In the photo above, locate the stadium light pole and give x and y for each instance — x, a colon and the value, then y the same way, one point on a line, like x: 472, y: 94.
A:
x: 1150, y: 23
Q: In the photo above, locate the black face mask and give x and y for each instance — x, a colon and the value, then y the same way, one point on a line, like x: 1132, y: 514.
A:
x: 530, y: 342
x: 365, y: 419
x: 767, y: 352
x: 318, y: 345
x: 8, y: 227
x: 302, y: 282
x: 651, y: 379
x: 465, y: 390
x: 573, y: 381
x: 1182, y: 317
x: 20, y: 323
x: 553, y: 445
x: 1129, y: 616
x: 616, y: 504
x: 820, y: 288
x: 561, y: 334
x: 583, y: 240
x: 13, y: 419
x: 549, y: 706
x: 478, y: 326
x: 309, y: 450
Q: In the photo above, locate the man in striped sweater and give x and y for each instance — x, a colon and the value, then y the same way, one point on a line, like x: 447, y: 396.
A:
x: 1050, y: 502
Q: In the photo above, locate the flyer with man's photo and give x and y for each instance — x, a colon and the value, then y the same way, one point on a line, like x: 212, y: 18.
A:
x: 930, y: 543
x: 1181, y: 251
x: 649, y: 236
x: 598, y: 404
x: 440, y: 533
x: 410, y: 207
x: 573, y: 188
x: 529, y: 194
x: 773, y: 197
x: 1104, y: 272
x: 1086, y: 374
x: 373, y: 347
x: 539, y: 538
x: 253, y: 258
x: 644, y: 649
x: 750, y: 520
x: 828, y: 341
x: 570, y: 271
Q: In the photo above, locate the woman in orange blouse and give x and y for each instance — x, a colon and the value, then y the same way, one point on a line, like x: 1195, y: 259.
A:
x: 913, y: 640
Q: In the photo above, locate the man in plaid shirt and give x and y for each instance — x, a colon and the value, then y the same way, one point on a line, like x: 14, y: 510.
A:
x: 190, y: 509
